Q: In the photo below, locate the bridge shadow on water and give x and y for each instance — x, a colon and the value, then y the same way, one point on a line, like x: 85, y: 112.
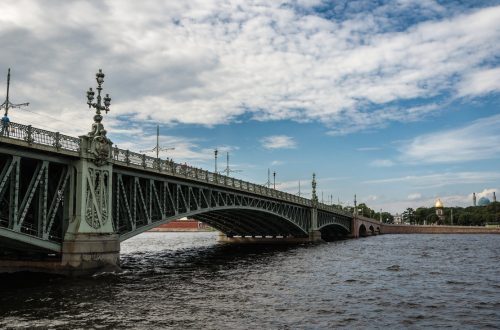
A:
x: 169, y: 272
x: 207, y: 258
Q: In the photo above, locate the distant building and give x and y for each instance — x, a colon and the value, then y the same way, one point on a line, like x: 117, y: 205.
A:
x: 398, y: 219
x: 440, y: 210
x: 483, y: 201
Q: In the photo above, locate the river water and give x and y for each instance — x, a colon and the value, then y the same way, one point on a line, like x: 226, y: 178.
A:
x: 189, y: 281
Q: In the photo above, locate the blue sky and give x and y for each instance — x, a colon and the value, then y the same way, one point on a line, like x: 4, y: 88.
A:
x: 395, y: 101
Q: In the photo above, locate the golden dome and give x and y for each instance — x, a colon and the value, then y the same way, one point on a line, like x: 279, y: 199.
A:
x: 439, y: 204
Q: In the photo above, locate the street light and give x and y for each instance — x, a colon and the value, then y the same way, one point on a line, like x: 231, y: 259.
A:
x: 274, y: 179
x: 215, y: 154
x: 97, y: 127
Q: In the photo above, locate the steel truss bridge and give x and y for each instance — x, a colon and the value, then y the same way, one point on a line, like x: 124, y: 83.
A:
x: 53, y: 190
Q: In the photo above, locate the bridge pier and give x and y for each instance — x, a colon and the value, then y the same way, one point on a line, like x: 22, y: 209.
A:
x: 314, y: 233
x: 314, y: 236
x: 91, y: 243
x: 86, y: 253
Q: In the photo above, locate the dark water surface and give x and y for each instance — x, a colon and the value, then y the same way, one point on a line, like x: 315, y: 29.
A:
x: 187, y: 280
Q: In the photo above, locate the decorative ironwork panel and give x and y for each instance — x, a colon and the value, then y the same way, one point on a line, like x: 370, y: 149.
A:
x: 145, y: 202
x: 96, y: 208
x: 34, y: 196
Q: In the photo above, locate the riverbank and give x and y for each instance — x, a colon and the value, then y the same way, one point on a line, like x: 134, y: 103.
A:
x: 183, y: 226
x: 408, y: 229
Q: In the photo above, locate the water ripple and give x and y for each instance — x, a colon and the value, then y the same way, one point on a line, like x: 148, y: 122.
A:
x: 188, y: 281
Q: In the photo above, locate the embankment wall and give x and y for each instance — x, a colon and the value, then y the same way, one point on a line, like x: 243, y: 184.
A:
x: 406, y: 229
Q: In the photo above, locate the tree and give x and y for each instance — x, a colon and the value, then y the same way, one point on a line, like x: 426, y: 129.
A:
x: 387, y: 217
x: 409, y: 215
x: 422, y: 214
x: 365, y: 210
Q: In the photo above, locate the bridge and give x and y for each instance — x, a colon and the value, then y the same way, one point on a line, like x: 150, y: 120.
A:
x: 74, y: 199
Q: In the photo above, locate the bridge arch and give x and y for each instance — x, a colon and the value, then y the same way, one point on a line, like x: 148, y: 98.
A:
x: 333, y: 232
x: 235, y: 221
x: 362, y: 231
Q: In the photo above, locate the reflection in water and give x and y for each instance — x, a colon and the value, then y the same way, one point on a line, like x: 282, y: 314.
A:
x: 188, y: 280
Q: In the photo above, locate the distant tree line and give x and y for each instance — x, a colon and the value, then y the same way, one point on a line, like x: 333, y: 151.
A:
x: 364, y: 210
x: 468, y: 216
x: 462, y: 216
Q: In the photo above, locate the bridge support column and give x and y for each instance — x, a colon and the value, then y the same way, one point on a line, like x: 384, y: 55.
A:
x: 315, y: 236
x: 91, y: 243
x: 314, y: 233
x: 355, y: 227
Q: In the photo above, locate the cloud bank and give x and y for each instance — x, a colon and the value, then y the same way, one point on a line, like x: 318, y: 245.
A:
x: 347, y: 65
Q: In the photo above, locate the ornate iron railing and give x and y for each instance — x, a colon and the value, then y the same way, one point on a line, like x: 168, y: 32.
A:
x: 127, y: 157
x: 33, y: 135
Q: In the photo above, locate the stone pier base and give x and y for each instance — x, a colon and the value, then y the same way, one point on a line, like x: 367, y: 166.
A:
x: 313, y: 237
x: 82, y: 254
x: 87, y: 253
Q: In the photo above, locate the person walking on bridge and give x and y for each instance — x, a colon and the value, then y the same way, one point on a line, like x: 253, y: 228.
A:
x: 5, y: 125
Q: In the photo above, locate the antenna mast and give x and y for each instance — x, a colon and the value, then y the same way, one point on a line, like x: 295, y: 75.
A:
x: 7, y: 104
x: 228, y: 169
x: 157, y: 148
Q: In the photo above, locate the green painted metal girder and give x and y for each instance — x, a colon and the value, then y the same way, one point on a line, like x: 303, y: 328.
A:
x: 29, y: 240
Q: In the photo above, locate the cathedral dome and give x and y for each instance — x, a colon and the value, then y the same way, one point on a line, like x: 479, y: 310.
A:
x: 439, y: 204
x: 483, y: 201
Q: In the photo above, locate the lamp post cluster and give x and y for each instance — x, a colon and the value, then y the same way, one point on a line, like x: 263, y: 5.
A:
x: 97, y: 127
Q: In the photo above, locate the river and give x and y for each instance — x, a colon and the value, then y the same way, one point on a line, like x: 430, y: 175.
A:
x: 189, y: 281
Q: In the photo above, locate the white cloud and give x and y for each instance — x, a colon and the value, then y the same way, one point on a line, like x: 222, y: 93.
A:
x: 440, y: 179
x: 382, y: 163
x: 480, y: 82
x: 209, y: 62
x: 414, y: 196
x: 476, y: 141
x: 488, y: 193
x: 278, y: 142
x: 368, y: 149
x: 277, y: 162
x: 449, y: 200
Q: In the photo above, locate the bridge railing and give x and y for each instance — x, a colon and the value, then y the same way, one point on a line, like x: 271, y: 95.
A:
x: 40, y: 136
x: 58, y: 141
x: 127, y: 157
x: 333, y: 209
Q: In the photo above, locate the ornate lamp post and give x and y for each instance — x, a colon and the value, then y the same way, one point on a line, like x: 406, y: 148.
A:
x: 97, y: 127
x: 100, y: 145
x: 314, y: 197
x: 215, y: 155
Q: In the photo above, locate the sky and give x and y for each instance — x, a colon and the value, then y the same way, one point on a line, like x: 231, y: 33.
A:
x: 394, y: 101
